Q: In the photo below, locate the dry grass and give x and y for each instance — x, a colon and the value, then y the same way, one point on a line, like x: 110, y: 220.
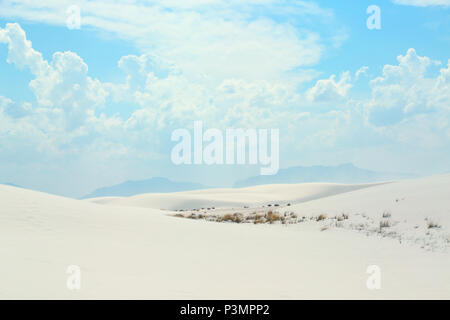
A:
x: 235, y: 217
x: 271, y: 217
x: 258, y: 216
x: 259, y: 220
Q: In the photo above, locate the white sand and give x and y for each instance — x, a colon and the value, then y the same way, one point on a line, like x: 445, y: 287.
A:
x: 251, y: 196
x: 127, y: 251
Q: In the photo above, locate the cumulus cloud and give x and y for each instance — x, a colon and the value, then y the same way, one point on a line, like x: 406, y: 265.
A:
x: 63, y: 83
x: 326, y: 90
x: 165, y: 98
x: 20, y: 51
x: 404, y: 90
x: 67, y: 116
x: 13, y: 109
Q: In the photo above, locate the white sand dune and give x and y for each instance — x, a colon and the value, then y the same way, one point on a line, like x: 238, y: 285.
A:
x: 413, y: 200
x: 135, y: 252
x: 228, y: 198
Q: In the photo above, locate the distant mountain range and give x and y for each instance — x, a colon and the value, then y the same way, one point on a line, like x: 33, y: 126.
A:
x: 153, y: 185
x: 344, y: 173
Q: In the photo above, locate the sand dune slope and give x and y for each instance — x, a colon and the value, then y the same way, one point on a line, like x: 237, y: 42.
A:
x: 410, y: 199
x: 130, y: 252
x: 416, y: 211
x: 251, y: 196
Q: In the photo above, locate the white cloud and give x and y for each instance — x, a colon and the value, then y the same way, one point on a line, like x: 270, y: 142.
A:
x: 13, y: 109
x: 20, y: 51
x: 66, y: 119
x: 219, y: 39
x: 361, y: 71
x: 423, y: 3
x: 63, y: 83
x: 326, y: 90
x: 404, y: 90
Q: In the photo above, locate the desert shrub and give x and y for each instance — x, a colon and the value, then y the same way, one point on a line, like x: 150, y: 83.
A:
x: 385, y: 224
x: 432, y: 224
x: 341, y: 217
x: 227, y: 217
x: 271, y: 217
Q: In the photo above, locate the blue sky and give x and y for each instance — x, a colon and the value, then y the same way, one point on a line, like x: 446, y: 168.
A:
x: 80, y: 109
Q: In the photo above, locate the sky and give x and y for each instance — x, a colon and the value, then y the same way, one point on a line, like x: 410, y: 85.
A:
x: 82, y: 108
